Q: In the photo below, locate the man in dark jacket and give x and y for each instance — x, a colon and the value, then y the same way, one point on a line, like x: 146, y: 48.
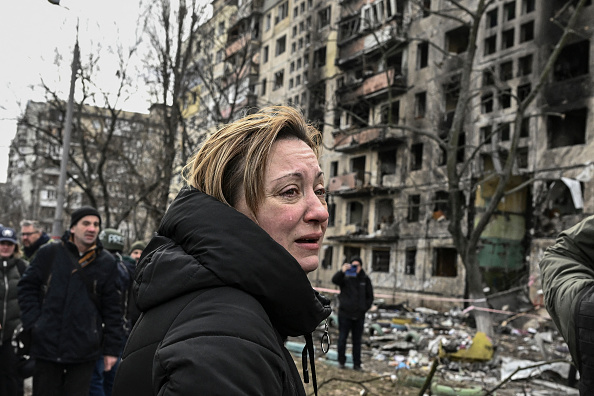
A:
x: 356, y: 297
x: 33, y: 237
x: 69, y: 300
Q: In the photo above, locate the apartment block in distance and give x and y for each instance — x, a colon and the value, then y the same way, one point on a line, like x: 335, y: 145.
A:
x: 398, y: 83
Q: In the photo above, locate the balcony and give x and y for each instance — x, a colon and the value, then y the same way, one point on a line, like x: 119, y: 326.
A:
x: 355, y: 184
x: 386, y: 233
x: 373, y: 86
x: 349, y: 140
x: 567, y: 91
x: 236, y: 43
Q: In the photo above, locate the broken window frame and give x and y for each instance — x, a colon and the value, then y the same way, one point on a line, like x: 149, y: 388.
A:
x: 571, y: 124
x: 416, y: 156
x: 379, y: 261
x: 410, y: 261
x: 413, y: 214
x: 445, y: 262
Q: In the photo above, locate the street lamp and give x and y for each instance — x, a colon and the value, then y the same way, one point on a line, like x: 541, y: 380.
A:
x: 57, y: 228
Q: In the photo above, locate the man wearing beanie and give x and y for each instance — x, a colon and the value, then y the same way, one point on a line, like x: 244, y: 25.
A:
x: 78, y: 317
x: 136, y: 250
x: 355, y: 298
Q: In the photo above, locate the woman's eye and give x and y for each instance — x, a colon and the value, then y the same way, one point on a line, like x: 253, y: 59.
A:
x: 321, y: 192
x: 289, y: 193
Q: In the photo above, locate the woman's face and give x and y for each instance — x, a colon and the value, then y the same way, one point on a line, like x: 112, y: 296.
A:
x: 6, y: 249
x: 294, y: 210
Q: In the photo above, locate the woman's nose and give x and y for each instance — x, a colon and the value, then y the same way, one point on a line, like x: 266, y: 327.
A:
x: 317, y: 209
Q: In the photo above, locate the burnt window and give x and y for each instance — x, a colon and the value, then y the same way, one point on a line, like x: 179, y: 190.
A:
x: 351, y: 251
x: 445, y: 262
x: 490, y: 45
x: 527, y: 32
x: 488, y: 78
x: 523, y: 91
x: 410, y: 262
x: 560, y: 200
x: 451, y: 93
x: 568, y: 129
x: 416, y: 152
x: 420, y: 104
x: 333, y: 168
x: 442, y: 206
x: 573, y: 61
x: 327, y: 260
x: 505, y: 98
x: 492, y: 18
x: 507, y: 39
x: 487, y: 103
x: 324, y: 17
x: 525, y: 65
x: 525, y: 130
x: 387, y: 162
x: 380, y: 261
x: 522, y: 157
x: 264, y: 86
x: 390, y: 113
x: 320, y: 57
x: 355, y: 213
x: 528, y: 6
x: 278, y: 79
x: 331, y: 214
x: 509, y: 11
x: 486, y: 134
x: 422, y: 55
x: 281, y: 45
x: 506, y: 70
x: 504, y: 130
x: 414, y: 203
x: 358, y: 166
x: 457, y: 40
x: 461, y: 148
x: 384, y: 213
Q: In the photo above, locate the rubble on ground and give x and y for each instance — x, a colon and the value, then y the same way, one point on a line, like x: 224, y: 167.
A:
x: 525, y: 356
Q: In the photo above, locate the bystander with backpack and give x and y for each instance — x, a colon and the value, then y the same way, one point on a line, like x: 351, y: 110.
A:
x: 10, y: 315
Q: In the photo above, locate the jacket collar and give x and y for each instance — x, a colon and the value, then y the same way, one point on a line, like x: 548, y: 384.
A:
x: 205, y: 243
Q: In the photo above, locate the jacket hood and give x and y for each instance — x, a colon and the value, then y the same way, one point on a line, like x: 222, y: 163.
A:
x: 203, y: 243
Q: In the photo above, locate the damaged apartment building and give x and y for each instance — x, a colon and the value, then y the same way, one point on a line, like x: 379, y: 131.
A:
x: 379, y: 77
x: 399, y: 68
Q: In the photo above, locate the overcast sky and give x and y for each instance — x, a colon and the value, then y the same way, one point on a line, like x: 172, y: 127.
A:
x: 33, y: 32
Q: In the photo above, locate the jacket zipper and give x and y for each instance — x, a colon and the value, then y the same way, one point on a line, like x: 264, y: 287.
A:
x: 4, y: 308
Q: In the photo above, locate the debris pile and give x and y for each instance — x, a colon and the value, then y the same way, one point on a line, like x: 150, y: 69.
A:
x: 443, y: 352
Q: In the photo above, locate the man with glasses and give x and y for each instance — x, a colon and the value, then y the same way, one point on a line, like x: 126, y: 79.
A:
x: 33, y: 237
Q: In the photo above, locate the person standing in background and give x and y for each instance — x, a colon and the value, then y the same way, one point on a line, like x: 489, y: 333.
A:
x: 136, y: 250
x: 10, y: 315
x: 79, y: 317
x: 355, y: 299
x: 33, y: 237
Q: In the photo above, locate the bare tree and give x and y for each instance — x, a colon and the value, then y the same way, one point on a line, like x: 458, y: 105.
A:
x: 171, y: 29
x: 112, y: 152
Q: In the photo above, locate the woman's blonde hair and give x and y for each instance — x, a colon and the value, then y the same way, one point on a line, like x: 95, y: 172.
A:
x: 237, y: 154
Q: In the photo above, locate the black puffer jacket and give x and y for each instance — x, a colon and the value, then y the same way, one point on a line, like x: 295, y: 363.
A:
x: 67, y: 325
x: 356, y: 294
x: 11, y: 315
x: 218, y: 297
